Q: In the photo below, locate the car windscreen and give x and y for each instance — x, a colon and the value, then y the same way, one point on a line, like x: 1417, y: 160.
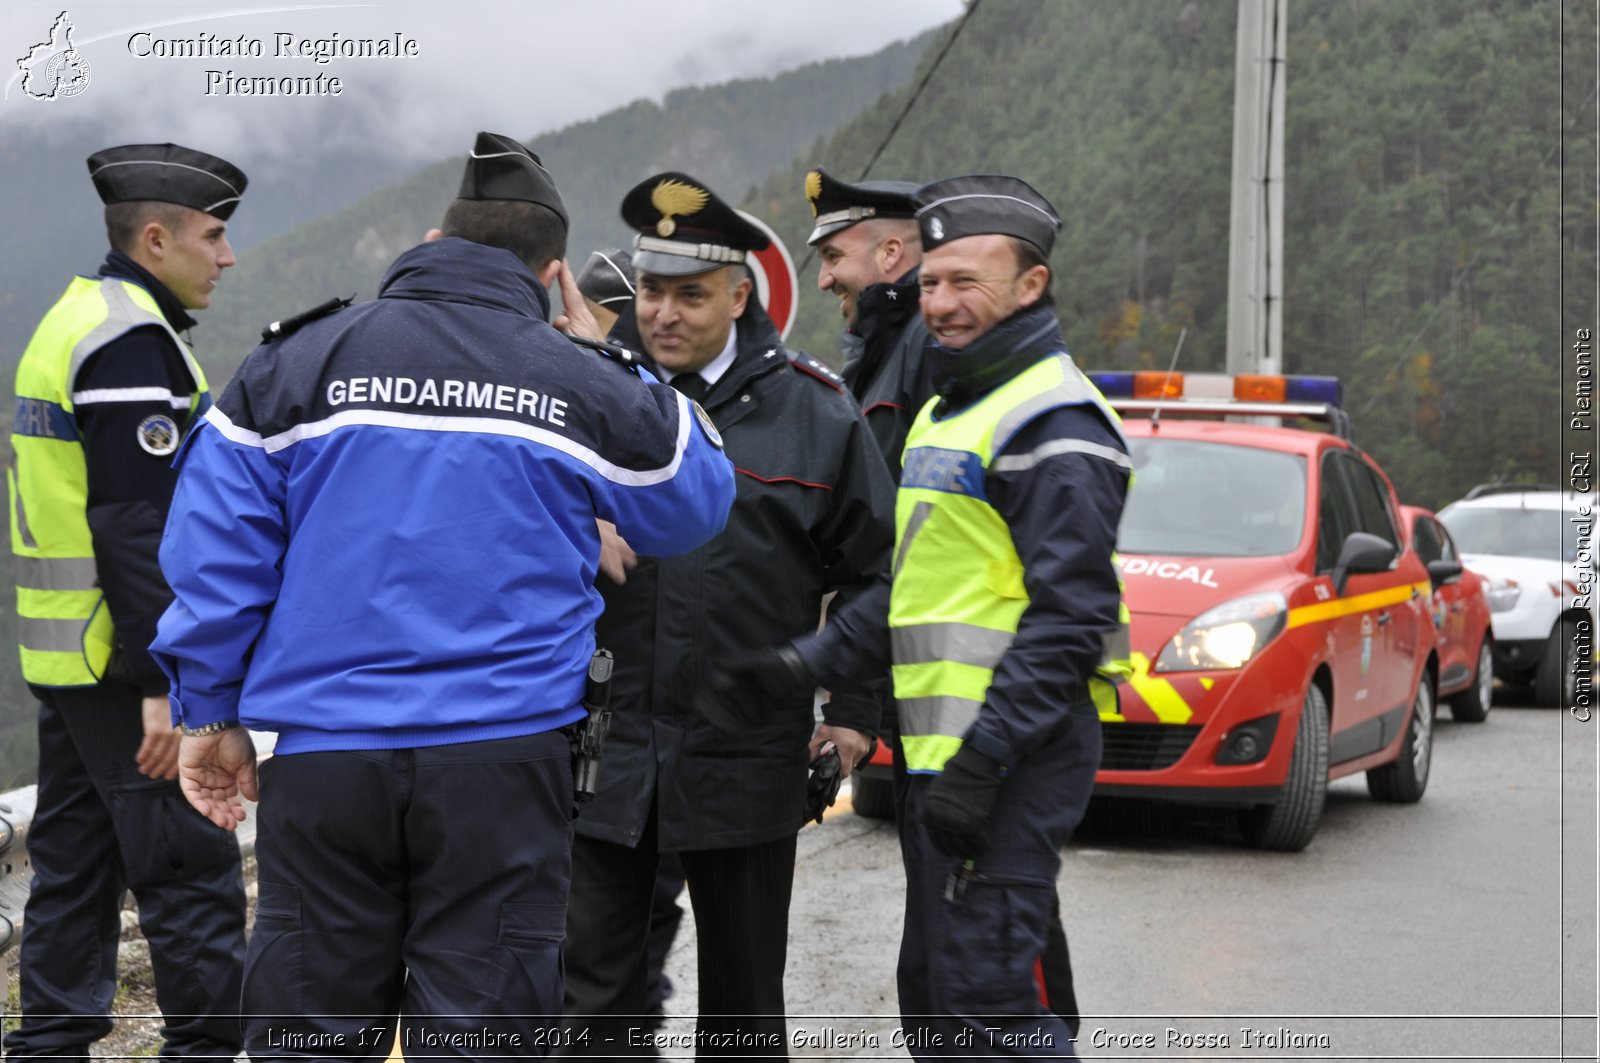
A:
x: 1212, y: 500
x: 1512, y: 531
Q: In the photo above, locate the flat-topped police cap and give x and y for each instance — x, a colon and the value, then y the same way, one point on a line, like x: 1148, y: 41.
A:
x: 981, y: 203
x: 167, y: 173
x: 684, y: 228
x: 607, y: 277
x: 838, y: 205
x: 501, y: 168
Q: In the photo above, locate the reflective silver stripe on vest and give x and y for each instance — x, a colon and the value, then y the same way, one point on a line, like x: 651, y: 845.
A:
x: 942, y: 714
x: 22, y: 516
x: 1023, y: 462
x: 122, y: 314
x: 51, y: 636
x: 919, y: 516
x: 1074, y: 389
x: 981, y: 647
x: 1115, y: 645
x: 56, y: 573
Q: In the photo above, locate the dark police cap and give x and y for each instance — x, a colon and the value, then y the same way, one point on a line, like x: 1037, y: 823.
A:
x: 684, y: 228
x: 977, y: 204
x: 607, y: 277
x: 501, y: 168
x: 838, y: 205
x: 167, y: 173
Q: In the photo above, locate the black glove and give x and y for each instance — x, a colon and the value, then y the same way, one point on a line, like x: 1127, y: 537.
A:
x: 737, y: 695
x: 961, y: 802
x: 822, y: 786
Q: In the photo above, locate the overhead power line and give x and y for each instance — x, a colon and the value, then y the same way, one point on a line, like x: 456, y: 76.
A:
x: 916, y: 94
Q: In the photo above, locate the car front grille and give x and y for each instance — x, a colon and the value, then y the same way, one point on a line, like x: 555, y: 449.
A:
x: 1145, y: 746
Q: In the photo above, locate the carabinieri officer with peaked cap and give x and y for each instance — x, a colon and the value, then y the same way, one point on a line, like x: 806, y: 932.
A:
x: 383, y: 547
x: 811, y: 515
x: 106, y: 390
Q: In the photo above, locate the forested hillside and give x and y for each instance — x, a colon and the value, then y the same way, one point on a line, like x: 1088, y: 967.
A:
x: 1430, y: 213
x: 729, y: 135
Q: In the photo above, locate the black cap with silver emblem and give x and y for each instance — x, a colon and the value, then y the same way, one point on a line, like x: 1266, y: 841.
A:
x: 978, y: 204
x: 684, y: 228
x: 501, y: 168
x: 838, y: 205
x: 167, y: 173
x: 607, y: 277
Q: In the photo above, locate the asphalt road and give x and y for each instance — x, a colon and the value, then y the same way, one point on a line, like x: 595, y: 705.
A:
x: 1460, y: 928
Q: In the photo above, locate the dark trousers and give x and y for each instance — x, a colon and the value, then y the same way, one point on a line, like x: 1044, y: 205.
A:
x: 99, y: 829
x: 741, y: 910
x: 428, y: 883
x: 1053, y: 968
x: 967, y: 972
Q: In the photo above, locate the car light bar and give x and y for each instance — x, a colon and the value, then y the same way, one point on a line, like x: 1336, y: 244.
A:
x: 1246, y: 387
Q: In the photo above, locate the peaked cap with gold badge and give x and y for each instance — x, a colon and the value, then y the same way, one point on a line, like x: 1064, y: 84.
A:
x: 838, y: 205
x: 684, y: 228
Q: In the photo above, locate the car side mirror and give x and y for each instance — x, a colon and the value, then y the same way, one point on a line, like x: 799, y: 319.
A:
x: 1362, y: 552
x: 1444, y: 570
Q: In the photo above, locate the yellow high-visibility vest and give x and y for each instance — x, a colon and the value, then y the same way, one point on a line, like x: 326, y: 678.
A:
x: 64, y: 630
x: 958, y: 593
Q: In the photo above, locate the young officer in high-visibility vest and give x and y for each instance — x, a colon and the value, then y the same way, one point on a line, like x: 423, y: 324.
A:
x: 106, y: 391
x: 1005, y: 624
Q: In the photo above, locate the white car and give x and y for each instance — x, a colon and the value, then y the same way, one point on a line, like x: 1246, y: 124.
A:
x: 1535, y: 547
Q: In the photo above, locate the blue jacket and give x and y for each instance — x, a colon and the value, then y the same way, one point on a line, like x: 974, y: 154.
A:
x: 383, y: 535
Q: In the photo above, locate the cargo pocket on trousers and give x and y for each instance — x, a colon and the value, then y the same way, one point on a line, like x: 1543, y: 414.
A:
x: 989, y: 952
x: 530, y: 955
x: 274, y: 975
x: 161, y: 838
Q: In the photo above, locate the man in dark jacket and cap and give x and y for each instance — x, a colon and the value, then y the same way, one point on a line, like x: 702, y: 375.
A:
x: 1003, y: 623
x: 812, y: 515
x: 106, y: 390
x: 869, y: 251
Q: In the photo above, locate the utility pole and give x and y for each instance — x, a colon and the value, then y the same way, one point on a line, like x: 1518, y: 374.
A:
x: 1255, y: 241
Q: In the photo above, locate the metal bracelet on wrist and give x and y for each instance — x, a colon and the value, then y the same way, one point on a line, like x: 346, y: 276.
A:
x: 208, y: 729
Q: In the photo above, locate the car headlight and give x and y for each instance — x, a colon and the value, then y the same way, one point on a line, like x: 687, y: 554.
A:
x: 1226, y: 636
x: 1503, y: 594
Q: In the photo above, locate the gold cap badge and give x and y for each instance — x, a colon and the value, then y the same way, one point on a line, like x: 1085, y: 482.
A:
x: 674, y: 197
x: 814, y: 189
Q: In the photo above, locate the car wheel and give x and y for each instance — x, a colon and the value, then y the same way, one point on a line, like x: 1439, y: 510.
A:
x: 1556, y: 679
x: 873, y: 798
x: 1403, y: 780
x: 1472, y: 704
x: 1290, y: 823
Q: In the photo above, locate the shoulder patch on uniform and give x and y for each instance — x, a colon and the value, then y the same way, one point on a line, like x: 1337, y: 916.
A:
x: 279, y: 329
x: 158, y: 435
x: 615, y: 352
x: 811, y: 367
x: 706, y: 426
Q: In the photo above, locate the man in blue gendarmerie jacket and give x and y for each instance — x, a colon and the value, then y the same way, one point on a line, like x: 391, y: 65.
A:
x: 383, y: 547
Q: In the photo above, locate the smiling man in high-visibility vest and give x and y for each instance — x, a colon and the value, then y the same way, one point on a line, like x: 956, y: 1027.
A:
x: 1005, y: 624
x: 106, y: 390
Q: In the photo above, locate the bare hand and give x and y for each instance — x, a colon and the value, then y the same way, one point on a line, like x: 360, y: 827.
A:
x: 215, y: 770
x: 852, y: 745
x: 158, y: 753
x: 575, y: 318
x: 616, y: 556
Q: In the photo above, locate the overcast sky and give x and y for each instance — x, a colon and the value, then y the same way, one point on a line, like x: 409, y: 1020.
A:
x: 515, y: 67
